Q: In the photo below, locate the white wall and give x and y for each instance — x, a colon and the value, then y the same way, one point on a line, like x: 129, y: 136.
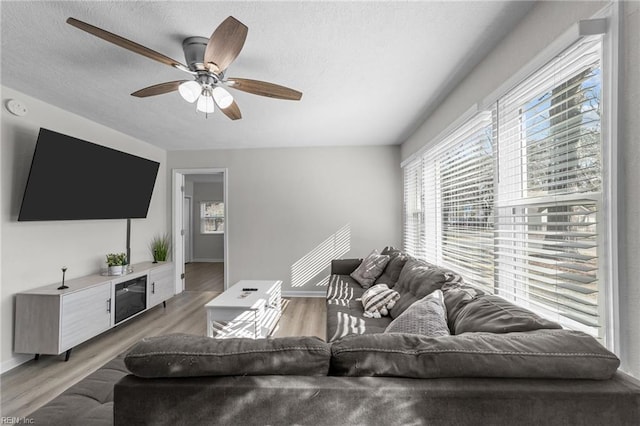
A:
x: 546, y: 22
x: 206, y: 247
x: 34, y: 252
x: 629, y: 194
x: 287, y: 205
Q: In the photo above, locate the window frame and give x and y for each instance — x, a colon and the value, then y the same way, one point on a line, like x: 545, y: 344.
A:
x: 205, y: 219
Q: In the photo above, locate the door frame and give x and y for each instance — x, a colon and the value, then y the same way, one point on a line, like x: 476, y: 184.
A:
x: 189, y: 247
x: 177, y: 196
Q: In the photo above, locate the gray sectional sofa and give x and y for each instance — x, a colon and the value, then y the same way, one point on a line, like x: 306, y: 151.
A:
x: 500, y: 365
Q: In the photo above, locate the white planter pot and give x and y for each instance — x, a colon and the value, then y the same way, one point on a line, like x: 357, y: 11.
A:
x: 116, y: 270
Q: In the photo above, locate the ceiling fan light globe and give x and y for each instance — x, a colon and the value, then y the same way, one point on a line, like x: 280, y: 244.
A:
x: 190, y: 91
x: 222, y: 97
x: 205, y: 104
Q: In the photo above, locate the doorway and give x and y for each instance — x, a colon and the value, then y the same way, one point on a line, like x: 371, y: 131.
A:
x: 200, y: 228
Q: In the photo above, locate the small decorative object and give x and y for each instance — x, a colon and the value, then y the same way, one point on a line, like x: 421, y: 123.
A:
x: 160, y: 246
x: 117, y: 263
x: 62, y: 287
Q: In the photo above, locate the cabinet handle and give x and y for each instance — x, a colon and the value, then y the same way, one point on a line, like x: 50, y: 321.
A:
x: 153, y: 288
x: 109, y: 305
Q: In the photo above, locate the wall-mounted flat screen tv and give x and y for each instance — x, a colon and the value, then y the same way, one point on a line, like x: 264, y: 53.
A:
x: 72, y: 179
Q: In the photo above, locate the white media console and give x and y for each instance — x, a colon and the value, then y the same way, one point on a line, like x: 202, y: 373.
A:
x: 51, y: 321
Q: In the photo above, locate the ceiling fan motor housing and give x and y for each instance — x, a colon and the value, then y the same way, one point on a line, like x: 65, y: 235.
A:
x: 194, y: 48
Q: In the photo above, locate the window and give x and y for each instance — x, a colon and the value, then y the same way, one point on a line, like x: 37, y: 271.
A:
x: 211, y: 217
x: 513, y: 199
x: 550, y: 190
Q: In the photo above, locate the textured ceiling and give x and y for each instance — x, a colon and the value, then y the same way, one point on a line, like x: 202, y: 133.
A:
x: 370, y: 71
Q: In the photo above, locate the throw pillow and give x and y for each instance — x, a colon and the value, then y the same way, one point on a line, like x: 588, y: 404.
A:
x: 185, y: 355
x: 370, y: 269
x: 377, y: 301
x: 427, y: 316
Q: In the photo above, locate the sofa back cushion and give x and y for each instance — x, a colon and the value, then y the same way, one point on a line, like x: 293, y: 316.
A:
x: 417, y: 279
x: 391, y: 272
x: 542, y: 354
x: 185, y: 355
x: 456, y: 298
x: 494, y: 314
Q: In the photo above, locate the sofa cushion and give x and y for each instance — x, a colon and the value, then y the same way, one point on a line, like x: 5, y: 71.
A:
x: 427, y: 316
x: 494, y: 314
x: 391, y: 272
x: 344, y: 317
x: 370, y: 269
x: 456, y: 297
x: 343, y: 287
x: 417, y: 279
x: 185, y: 355
x: 553, y: 354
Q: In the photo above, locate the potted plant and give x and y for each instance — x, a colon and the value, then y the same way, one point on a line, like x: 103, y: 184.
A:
x: 160, y: 246
x: 117, y: 263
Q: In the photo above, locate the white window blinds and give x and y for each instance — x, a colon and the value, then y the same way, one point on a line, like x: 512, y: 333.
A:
x: 548, y: 199
x: 513, y: 199
x: 413, y: 232
x: 458, y: 177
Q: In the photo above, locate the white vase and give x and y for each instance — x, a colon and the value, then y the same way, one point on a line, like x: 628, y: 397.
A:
x: 115, y: 270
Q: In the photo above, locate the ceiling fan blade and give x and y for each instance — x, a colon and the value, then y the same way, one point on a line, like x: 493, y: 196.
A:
x: 158, y: 89
x: 232, y: 111
x: 225, y: 44
x: 263, y: 88
x: 127, y: 44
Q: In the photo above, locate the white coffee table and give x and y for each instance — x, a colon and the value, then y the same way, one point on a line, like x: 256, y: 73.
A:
x: 245, y: 313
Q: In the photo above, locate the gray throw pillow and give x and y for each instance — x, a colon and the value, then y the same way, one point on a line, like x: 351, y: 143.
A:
x: 370, y: 269
x: 185, y: 355
x: 427, y: 316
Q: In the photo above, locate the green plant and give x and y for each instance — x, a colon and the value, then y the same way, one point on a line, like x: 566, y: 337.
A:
x: 116, y: 259
x: 160, y: 246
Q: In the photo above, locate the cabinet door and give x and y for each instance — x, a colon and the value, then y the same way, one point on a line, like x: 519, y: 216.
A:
x: 85, y: 314
x: 161, y: 286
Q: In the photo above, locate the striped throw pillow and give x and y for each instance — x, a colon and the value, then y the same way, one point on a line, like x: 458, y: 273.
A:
x: 378, y: 299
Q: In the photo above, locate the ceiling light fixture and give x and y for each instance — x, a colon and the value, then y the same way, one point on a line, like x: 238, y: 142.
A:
x: 205, y: 101
x: 190, y: 91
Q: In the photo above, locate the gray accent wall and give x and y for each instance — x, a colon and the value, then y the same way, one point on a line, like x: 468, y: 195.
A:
x: 544, y: 24
x: 34, y: 252
x: 291, y: 210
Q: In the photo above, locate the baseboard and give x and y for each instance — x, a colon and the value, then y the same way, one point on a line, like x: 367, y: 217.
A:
x: 201, y: 259
x: 303, y: 293
x: 14, y: 362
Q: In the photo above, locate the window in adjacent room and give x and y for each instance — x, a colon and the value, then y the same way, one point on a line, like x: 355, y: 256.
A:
x: 211, y: 217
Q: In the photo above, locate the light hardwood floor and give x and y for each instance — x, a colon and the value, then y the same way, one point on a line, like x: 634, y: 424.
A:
x: 204, y: 276
x: 31, y: 385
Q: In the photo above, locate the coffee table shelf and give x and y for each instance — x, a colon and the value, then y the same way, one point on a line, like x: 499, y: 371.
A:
x: 245, y: 313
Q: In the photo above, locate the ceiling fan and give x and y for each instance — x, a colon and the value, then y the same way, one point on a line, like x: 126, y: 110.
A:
x: 207, y: 61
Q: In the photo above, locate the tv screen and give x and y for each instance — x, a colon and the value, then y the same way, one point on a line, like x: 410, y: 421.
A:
x: 72, y: 179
